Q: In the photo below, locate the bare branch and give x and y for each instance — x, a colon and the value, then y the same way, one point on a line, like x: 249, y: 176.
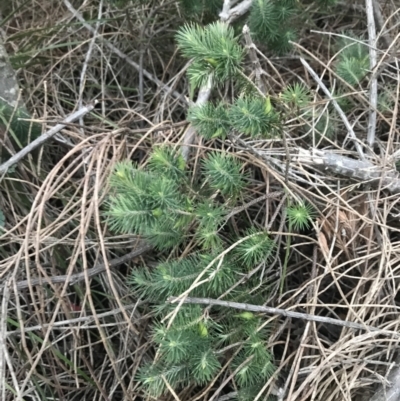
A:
x: 337, y: 107
x: 254, y: 59
x: 235, y: 12
x: 380, y: 22
x: 75, y: 278
x: 82, y: 319
x: 202, y: 98
x: 44, y: 137
x: 392, y: 393
x: 373, y: 95
x: 360, y: 170
x: 9, y: 89
x: 273, y: 311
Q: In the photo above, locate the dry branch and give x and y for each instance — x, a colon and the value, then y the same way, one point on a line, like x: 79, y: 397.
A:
x: 360, y: 170
x: 9, y: 89
x: 337, y: 107
x: 380, y: 22
x: 202, y: 98
x: 254, y: 59
x: 75, y: 278
x: 274, y: 311
x: 82, y: 319
x: 44, y: 137
x: 393, y: 392
x: 373, y: 97
x: 229, y: 15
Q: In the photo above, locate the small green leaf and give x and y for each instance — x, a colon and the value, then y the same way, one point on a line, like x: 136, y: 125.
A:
x: 300, y: 216
x: 246, y: 315
x: 268, y: 105
x: 203, y: 330
x: 157, y: 212
x: 181, y: 163
x: 211, y: 61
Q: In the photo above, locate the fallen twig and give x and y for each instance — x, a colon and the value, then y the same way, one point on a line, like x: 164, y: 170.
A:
x: 273, y: 311
x: 44, y: 137
x: 373, y: 95
x: 63, y: 323
x: 188, y: 138
x: 337, y: 107
x: 380, y: 22
x: 75, y: 278
x: 392, y: 392
x: 360, y: 170
x: 254, y: 59
x: 9, y: 89
x: 230, y: 14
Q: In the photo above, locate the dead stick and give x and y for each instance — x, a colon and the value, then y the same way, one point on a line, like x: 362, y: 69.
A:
x: 274, y: 311
x: 75, y: 278
x: 44, y: 137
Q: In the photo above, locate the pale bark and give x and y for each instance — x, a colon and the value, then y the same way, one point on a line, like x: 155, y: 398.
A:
x: 9, y: 90
x: 392, y: 391
x: 362, y: 171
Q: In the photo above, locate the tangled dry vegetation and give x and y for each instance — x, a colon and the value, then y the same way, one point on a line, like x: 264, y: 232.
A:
x: 70, y: 327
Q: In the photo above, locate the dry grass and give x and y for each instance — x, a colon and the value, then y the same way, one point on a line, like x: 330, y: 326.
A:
x: 86, y: 341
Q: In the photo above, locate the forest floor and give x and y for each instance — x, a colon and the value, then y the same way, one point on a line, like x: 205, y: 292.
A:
x: 70, y: 325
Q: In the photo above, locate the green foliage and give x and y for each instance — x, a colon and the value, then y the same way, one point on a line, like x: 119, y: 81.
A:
x: 253, y: 370
x: 352, y: 70
x: 210, y: 217
x: 214, y: 51
x: 176, y: 276
x: 353, y: 61
x: 296, y: 95
x: 299, y: 216
x: 153, y: 377
x: 223, y: 173
x: 167, y: 162
x: 171, y: 209
x: 208, y: 213
x: 386, y: 100
x: 257, y: 247
x: 148, y: 203
x: 208, y: 237
x: 271, y: 22
x: 253, y: 116
x: 158, y: 203
x: 205, y: 366
x: 190, y: 350
x: 210, y: 121
x: 344, y: 100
